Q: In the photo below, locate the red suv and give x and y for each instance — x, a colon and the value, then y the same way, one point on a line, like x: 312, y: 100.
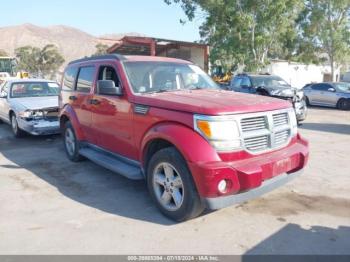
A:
x: 164, y: 120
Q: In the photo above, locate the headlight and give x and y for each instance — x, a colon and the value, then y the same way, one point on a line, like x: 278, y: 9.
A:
x: 222, y: 134
x: 31, y: 114
x: 294, y: 122
x: 275, y: 92
x: 283, y: 92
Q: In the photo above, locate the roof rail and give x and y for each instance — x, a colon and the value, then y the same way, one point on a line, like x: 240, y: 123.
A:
x: 102, y: 57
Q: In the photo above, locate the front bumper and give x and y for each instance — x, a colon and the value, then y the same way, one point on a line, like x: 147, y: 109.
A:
x: 248, y: 175
x: 267, y: 186
x: 39, y: 127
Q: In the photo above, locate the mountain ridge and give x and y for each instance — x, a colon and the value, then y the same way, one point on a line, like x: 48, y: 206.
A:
x: 71, y: 42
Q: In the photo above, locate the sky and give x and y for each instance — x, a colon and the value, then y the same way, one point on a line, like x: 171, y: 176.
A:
x: 149, y: 17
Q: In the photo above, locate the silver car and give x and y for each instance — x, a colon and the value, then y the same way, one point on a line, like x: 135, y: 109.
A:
x: 30, y: 106
x: 328, y: 94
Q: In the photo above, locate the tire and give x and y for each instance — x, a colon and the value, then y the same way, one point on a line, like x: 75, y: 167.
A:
x: 17, y: 132
x: 71, y: 143
x: 343, y: 104
x: 307, y: 101
x: 262, y: 92
x: 181, y: 200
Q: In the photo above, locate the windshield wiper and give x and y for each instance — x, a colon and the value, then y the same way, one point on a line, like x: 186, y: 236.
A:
x: 163, y: 91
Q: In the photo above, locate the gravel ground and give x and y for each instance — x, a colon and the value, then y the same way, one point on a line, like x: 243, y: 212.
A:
x: 49, y: 205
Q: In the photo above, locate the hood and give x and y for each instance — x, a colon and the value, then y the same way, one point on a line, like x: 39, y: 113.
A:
x: 281, y: 87
x: 211, y: 102
x: 36, y: 103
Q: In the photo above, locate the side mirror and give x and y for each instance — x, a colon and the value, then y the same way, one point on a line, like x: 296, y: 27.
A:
x: 3, y: 94
x: 331, y: 89
x: 107, y: 87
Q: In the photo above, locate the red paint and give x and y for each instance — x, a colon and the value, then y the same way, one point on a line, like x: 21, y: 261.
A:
x: 114, y: 126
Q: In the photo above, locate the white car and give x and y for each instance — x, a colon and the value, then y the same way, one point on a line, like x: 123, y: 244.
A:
x: 30, y: 106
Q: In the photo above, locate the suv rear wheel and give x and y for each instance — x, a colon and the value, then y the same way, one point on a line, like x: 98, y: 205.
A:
x: 171, y: 186
x: 71, y: 144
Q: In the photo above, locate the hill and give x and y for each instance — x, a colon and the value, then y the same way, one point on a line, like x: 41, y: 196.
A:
x: 71, y: 42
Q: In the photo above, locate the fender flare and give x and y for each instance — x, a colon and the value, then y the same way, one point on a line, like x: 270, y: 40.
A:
x: 193, y: 147
x: 69, y: 112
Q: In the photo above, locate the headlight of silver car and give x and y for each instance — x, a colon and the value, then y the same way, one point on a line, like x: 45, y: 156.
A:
x: 35, y: 114
x: 222, y: 134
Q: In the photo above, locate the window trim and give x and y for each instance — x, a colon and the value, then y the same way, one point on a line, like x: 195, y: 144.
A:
x: 98, y: 73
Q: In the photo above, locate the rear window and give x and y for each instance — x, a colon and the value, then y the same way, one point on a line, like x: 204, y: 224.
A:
x: 34, y: 89
x: 69, y: 78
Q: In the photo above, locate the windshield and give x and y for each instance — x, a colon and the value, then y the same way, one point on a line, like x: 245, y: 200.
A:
x: 343, y: 87
x: 269, y: 81
x: 150, y: 77
x: 34, y: 89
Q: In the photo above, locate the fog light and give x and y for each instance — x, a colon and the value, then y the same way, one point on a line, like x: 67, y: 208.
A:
x: 222, y: 186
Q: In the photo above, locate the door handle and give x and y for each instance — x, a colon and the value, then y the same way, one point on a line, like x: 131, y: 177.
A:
x: 73, y: 98
x: 94, y: 102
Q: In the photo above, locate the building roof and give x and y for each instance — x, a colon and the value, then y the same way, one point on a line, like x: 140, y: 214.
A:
x: 143, y: 45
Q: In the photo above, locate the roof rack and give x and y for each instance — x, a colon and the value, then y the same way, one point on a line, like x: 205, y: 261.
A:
x: 102, y: 57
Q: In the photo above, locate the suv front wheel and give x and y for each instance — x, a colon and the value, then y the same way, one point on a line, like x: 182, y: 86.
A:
x: 71, y: 144
x: 171, y: 186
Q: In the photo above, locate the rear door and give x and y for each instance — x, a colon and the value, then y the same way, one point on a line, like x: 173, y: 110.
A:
x: 76, y: 92
x: 314, y: 93
x: 83, y: 96
x: 328, y: 97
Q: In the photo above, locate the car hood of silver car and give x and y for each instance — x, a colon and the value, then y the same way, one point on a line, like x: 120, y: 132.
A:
x: 35, y: 103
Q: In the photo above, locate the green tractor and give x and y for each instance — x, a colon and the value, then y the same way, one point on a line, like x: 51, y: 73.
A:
x: 8, y: 65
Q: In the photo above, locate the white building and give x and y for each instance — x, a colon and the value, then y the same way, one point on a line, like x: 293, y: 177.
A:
x: 298, y: 75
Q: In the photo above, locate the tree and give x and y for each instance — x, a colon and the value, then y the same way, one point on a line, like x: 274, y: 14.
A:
x: 43, y: 62
x: 3, y: 53
x: 101, y: 49
x: 325, y: 28
x: 246, y: 32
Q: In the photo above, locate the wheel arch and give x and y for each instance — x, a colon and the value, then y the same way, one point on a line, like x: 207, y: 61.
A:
x: 176, y: 135
x: 68, y: 114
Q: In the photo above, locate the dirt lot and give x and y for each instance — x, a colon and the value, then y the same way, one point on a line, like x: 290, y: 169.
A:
x: 49, y: 205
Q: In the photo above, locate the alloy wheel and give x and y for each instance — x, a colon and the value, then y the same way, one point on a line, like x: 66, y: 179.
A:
x: 168, y: 186
x: 70, y: 141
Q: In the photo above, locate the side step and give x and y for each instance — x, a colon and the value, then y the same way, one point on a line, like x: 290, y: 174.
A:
x: 112, y: 163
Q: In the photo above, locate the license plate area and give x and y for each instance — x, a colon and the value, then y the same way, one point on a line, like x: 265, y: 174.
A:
x: 282, y: 166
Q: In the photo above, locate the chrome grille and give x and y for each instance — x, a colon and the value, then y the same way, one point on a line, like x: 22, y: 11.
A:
x: 257, y: 143
x: 265, y: 131
x: 281, y: 137
x: 280, y: 119
x: 253, y: 123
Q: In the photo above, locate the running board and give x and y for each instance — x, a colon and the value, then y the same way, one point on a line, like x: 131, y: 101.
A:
x: 112, y: 163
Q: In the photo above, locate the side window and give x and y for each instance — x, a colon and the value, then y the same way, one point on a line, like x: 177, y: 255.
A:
x: 85, y: 79
x: 320, y: 87
x: 245, y: 82
x: 69, y: 78
x: 236, y: 83
x: 327, y: 86
x: 108, y: 73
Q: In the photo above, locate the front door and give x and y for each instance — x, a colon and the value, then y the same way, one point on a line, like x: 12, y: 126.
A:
x: 112, y: 118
